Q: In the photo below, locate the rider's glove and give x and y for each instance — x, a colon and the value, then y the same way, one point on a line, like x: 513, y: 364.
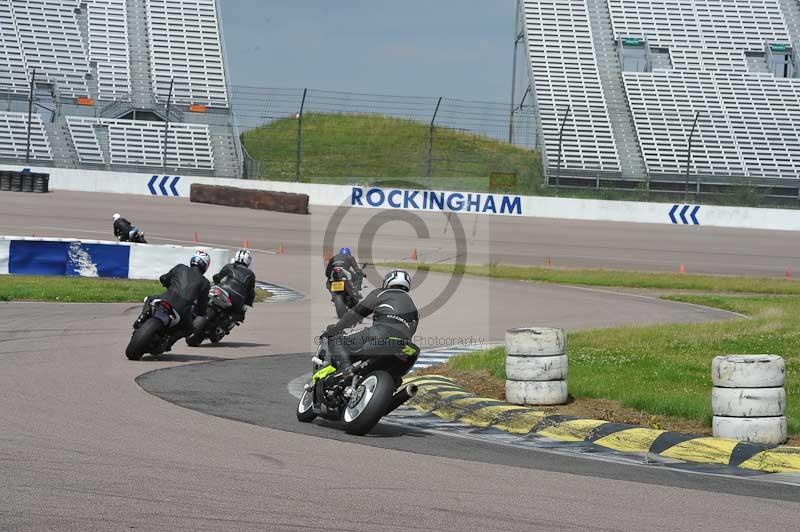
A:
x: 331, y: 331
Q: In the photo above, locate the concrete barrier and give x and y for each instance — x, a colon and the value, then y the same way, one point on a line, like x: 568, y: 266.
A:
x: 684, y: 217
x: 95, y: 258
x: 253, y: 199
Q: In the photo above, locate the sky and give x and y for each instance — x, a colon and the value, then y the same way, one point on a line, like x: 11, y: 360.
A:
x: 453, y: 48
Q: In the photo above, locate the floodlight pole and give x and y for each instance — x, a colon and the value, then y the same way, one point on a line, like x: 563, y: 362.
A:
x: 300, y: 135
x: 430, y: 139
x: 166, y: 124
x: 560, y: 139
x: 689, y: 159
x: 30, y: 116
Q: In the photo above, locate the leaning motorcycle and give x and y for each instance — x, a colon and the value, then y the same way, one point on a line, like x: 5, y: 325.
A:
x: 135, y: 236
x: 343, y: 292
x: 361, y: 395
x: 218, y: 321
x: 151, y: 330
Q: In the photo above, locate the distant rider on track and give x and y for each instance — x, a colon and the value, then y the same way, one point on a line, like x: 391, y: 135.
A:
x: 123, y: 228
x: 345, y: 259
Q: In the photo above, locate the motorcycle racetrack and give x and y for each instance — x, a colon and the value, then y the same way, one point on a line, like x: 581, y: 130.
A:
x: 207, y: 438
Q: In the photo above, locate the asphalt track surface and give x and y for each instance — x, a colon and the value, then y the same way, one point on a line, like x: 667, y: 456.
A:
x: 84, y: 447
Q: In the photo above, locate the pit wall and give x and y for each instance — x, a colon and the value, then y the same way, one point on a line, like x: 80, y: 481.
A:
x: 95, y: 258
x: 438, y: 201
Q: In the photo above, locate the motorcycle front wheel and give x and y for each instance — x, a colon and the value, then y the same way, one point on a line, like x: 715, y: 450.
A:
x: 142, y: 338
x: 305, y: 410
x: 197, y: 337
x: 370, y: 403
x: 341, y: 306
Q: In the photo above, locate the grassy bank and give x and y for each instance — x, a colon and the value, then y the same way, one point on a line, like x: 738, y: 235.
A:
x: 614, y: 278
x: 82, y: 289
x: 665, y: 370
x: 338, y: 148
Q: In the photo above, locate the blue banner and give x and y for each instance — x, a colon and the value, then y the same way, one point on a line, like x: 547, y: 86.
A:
x: 41, y: 257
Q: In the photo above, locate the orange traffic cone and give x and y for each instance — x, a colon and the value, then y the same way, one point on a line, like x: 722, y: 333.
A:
x: 789, y: 272
x: 281, y: 249
x: 246, y: 244
x: 414, y: 254
x: 682, y: 268
x: 548, y: 263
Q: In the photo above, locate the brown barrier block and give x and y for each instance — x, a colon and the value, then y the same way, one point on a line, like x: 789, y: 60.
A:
x: 266, y: 200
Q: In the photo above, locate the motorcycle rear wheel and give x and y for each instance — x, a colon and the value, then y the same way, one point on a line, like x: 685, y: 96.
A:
x: 142, y: 338
x: 374, y: 396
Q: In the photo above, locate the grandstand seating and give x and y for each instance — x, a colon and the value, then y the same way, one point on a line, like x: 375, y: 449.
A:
x: 565, y: 73
x: 109, y: 49
x: 185, y: 46
x: 14, y: 137
x: 707, y: 60
x: 139, y: 143
x: 51, y: 41
x: 13, y: 72
x: 737, y: 24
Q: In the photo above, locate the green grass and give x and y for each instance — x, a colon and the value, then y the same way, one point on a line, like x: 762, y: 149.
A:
x: 666, y: 369
x: 83, y: 289
x: 356, y: 149
x: 75, y: 289
x: 628, y: 279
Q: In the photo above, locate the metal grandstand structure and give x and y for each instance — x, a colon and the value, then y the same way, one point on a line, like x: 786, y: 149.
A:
x: 131, y: 85
x: 672, y: 95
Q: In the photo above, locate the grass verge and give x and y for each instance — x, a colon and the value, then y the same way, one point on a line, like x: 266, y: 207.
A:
x: 618, y: 278
x: 664, y: 370
x: 83, y: 289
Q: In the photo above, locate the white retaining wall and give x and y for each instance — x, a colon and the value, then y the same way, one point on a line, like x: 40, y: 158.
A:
x: 463, y: 202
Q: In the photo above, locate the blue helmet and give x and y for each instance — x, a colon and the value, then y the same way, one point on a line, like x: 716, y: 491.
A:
x: 344, y: 251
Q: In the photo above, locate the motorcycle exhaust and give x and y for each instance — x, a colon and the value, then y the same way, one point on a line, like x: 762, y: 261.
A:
x: 402, y: 395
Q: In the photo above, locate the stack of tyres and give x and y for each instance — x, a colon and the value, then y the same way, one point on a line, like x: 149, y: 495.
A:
x: 536, y: 366
x: 24, y: 182
x: 16, y: 182
x: 27, y: 182
x: 41, y: 183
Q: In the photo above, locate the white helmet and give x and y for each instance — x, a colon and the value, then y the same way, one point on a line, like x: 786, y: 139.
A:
x: 243, y: 256
x: 116, y: 216
x: 202, y: 260
x: 397, y: 279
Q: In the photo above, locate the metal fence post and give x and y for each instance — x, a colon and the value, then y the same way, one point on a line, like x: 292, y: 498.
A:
x: 689, y: 160
x: 166, y: 124
x: 300, y: 135
x: 30, y: 115
x: 430, y: 140
x: 560, y: 139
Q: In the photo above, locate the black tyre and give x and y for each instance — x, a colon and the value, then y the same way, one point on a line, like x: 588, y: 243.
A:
x: 341, y: 306
x: 374, y: 396
x: 197, y: 337
x: 305, y: 410
x: 142, y: 339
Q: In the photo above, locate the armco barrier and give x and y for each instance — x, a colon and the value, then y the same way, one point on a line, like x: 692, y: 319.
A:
x: 266, y: 200
x: 93, y: 258
x: 682, y: 216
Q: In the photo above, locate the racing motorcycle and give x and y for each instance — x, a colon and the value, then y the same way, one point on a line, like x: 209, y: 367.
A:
x: 218, y: 321
x: 135, y: 236
x: 343, y: 292
x: 361, y: 395
x: 151, y: 329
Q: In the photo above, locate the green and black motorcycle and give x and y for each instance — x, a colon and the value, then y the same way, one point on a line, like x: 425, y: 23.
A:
x: 361, y: 395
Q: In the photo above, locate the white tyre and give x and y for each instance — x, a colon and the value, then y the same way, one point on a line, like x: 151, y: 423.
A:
x: 764, y: 430
x: 536, y: 341
x: 748, y: 371
x: 525, y: 368
x: 748, y: 402
x: 536, y: 393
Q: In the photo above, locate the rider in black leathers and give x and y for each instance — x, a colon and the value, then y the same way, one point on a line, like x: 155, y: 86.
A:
x: 239, y: 281
x: 394, y: 322
x: 345, y: 259
x: 122, y: 228
x: 186, y: 288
